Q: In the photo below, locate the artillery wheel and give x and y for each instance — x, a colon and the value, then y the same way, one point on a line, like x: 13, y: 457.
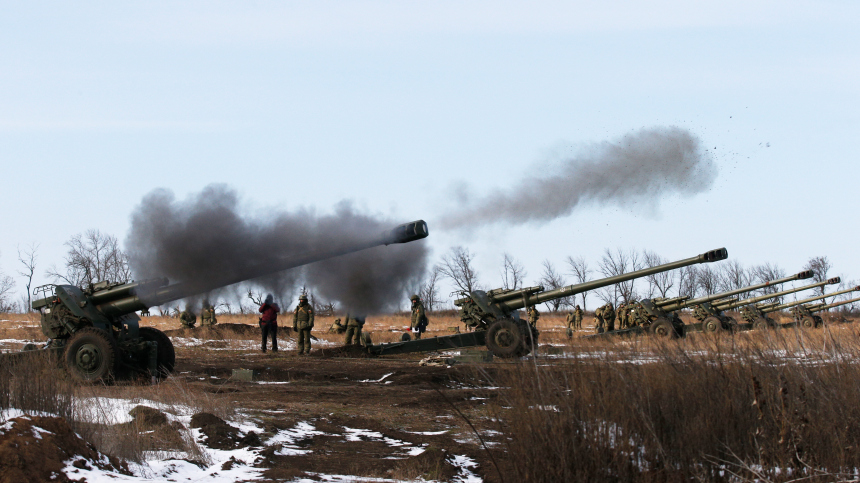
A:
x: 504, y: 338
x: 664, y: 328
x: 405, y: 337
x: 712, y: 324
x: 91, y: 355
x: 166, y: 358
x: 760, y: 324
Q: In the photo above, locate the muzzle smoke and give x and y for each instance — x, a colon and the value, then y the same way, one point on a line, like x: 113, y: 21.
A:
x: 206, y: 238
x: 637, y: 169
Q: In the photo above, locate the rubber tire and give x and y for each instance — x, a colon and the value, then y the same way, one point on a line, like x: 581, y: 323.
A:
x: 664, y: 328
x: 405, y: 337
x: 712, y: 325
x: 107, y: 355
x: 505, y: 339
x: 166, y: 358
x: 760, y: 324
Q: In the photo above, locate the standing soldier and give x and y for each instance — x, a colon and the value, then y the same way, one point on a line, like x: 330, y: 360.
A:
x: 599, y: 324
x: 354, y: 325
x: 419, y: 318
x: 622, y: 309
x: 187, y: 318
x: 577, y: 318
x: 303, y: 322
x: 207, y: 315
x: 269, y: 322
x: 534, y: 315
x: 571, y: 324
x: 609, y: 315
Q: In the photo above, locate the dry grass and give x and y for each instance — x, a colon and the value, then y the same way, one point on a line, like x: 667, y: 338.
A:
x: 764, y: 406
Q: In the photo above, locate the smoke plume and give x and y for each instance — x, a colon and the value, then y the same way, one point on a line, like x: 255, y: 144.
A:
x: 638, y: 168
x: 205, y: 240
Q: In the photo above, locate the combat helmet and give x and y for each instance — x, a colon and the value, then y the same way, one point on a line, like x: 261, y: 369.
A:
x: 414, y: 298
x: 303, y: 298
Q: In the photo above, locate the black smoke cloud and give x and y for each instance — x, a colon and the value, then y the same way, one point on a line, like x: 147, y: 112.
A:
x: 637, y: 169
x: 207, y: 238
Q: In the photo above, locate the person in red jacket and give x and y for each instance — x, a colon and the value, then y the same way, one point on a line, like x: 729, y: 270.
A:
x: 269, y: 322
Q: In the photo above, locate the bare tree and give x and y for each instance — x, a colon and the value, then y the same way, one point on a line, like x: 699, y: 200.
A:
x: 7, y: 284
x: 429, y: 290
x: 767, y: 273
x: 457, y: 267
x: 707, y: 280
x: 580, y: 271
x: 513, y: 273
x: 550, y: 280
x: 819, y: 266
x: 93, y: 256
x: 28, y: 260
x: 687, y: 277
x: 618, y: 263
x: 661, y: 282
x: 733, y: 276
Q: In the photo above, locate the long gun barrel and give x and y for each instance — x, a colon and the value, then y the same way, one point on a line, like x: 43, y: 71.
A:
x: 708, y: 298
x: 812, y: 299
x: 130, y: 297
x: 834, y: 304
x: 753, y: 300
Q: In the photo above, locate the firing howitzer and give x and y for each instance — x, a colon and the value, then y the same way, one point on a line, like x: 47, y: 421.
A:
x: 97, y: 330
x: 758, y: 319
x: 705, y: 309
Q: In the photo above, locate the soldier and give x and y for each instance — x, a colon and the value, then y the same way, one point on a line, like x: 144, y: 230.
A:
x: 577, y: 318
x: 269, y: 322
x: 187, y: 318
x: 620, y: 313
x: 419, y: 318
x: 354, y: 324
x: 207, y: 315
x: 337, y: 327
x: 609, y: 316
x: 599, y: 323
x: 571, y: 324
x: 303, y: 322
x: 534, y: 315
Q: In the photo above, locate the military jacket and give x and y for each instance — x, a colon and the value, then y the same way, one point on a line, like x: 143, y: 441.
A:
x: 419, y: 318
x: 304, y: 316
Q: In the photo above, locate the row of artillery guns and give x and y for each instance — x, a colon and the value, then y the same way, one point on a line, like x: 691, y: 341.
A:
x: 661, y: 316
x: 95, y: 330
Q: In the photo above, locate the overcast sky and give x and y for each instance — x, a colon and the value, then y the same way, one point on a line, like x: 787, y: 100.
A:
x: 394, y: 105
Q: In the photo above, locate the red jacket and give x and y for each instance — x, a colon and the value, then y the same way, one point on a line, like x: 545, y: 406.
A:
x: 270, y: 312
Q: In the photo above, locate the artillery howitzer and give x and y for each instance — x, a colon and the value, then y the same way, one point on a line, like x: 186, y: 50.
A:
x: 754, y: 316
x: 494, y: 314
x: 820, y: 307
x: 804, y: 315
x: 97, y: 331
x: 648, y: 311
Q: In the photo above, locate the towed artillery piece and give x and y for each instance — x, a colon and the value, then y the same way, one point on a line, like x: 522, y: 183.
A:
x: 96, y: 330
x: 821, y: 307
x: 756, y: 316
x: 494, y: 314
x: 804, y: 315
x: 646, y: 312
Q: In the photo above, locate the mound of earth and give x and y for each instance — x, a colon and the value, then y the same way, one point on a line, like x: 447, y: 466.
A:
x: 343, y: 351
x: 36, y: 449
x: 220, y: 331
x: 220, y: 435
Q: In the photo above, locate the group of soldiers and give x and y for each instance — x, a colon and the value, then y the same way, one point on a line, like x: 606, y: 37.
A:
x: 207, y: 317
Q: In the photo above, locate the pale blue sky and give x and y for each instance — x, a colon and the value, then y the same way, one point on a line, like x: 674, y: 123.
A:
x: 390, y: 104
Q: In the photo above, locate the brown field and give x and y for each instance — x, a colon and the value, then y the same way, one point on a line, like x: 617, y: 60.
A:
x: 753, y: 406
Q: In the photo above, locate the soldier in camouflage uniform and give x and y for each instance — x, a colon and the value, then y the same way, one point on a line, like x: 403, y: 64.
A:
x: 303, y: 322
x: 534, y: 315
x: 599, y: 323
x: 570, y: 324
x: 354, y: 324
x: 187, y: 318
x: 619, y: 313
x: 609, y: 316
x: 577, y: 318
x: 419, y: 318
x: 207, y: 315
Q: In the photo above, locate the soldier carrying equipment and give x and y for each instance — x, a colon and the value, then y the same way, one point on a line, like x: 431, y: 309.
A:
x: 534, y: 315
x: 207, y: 315
x: 354, y: 324
x: 419, y: 317
x: 303, y: 322
x: 609, y: 316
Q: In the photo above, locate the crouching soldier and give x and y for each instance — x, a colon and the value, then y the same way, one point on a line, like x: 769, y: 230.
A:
x: 303, y: 322
x: 187, y: 318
